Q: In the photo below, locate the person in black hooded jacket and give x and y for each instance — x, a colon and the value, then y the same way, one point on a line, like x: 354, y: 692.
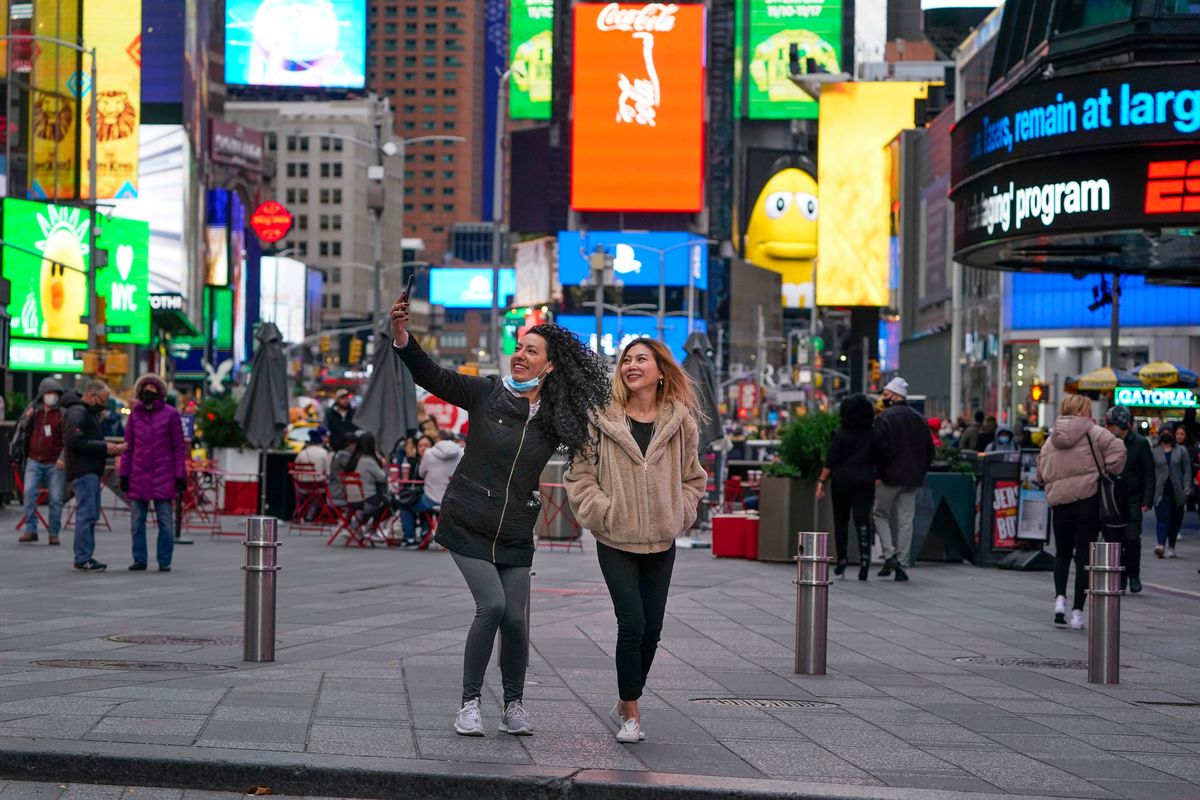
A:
x: 492, y: 501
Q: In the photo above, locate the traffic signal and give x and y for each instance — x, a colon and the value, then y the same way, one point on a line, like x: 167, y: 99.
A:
x: 1037, y: 392
x: 356, y: 346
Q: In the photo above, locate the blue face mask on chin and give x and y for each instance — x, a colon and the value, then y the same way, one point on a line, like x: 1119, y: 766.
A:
x: 526, y: 385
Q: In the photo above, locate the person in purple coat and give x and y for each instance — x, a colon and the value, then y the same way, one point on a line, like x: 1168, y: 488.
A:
x: 153, y: 468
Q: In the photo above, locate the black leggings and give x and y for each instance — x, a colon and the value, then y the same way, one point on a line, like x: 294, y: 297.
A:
x: 850, y: 496
x: 638, y: 584
x: 1076, y: 526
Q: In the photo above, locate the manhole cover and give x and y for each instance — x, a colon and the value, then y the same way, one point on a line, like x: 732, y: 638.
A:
x: 132, y: 666
x: 1023, y: 663
x: 167, y: 638
x: 761, y: 702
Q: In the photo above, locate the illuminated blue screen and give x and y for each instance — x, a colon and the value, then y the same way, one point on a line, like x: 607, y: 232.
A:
x: 302, y: 43
x: 635, y: 257
x: 675, y: 331
x: 465, y: 287
x: 1058, y: 302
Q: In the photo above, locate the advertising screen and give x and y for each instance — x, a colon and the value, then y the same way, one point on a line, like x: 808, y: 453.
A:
x: 303, y: 43
x: 161, y: 187
x: 636, y: 257
x: 1049, y: 302
x: 857, y: 122
x: 617, y: 335
x: 815, y: 27
x: 638, y: 101
x: 466, y: 287
x: 282, y: 296
x: 46, y: 261
x: 314, y: 292
x: 114, y: 28
x: 531, y: 53
x: 163, y: 24
x: 53, y: 104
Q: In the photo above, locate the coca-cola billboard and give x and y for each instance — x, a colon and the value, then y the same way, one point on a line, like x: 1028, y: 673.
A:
x: 638, y: 124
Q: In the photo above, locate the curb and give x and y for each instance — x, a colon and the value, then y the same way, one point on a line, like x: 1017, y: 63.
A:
x: 300, y: 774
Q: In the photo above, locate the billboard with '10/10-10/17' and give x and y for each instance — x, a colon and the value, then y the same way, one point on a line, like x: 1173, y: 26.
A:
x: 46, y: 260
x: 638, y: 107
x: 813, y: 26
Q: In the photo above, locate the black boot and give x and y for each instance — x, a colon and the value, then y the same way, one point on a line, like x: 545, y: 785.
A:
x: 864, y: 551
x: 901, y: 575
x: 888, y: 566
x: 840, y: 567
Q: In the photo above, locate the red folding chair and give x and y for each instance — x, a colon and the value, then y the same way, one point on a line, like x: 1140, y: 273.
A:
x: 312, y: 500
x: 43, y: 496
x: 431, y: 522
x: 733, y: 493
x: 350, y: 517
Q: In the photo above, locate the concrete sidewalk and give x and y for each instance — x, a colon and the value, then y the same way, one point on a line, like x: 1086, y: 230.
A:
x: 360, y: 699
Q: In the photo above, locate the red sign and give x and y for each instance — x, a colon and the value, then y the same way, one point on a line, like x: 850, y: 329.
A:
x: 448, y: 416
x: 1005, y: 497
x: 1173, y: 186
x: 638, y: 107
x: 271, y: 221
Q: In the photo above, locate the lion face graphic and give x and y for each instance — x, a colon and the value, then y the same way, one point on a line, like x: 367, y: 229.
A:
x: 52, y: 117
x: 118, y: 119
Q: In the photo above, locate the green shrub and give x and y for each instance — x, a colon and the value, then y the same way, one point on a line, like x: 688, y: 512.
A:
x: 803, y: 444
x: 215, y: 424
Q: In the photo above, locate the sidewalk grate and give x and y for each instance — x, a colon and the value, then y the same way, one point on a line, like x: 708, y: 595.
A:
x: 132, y: 666
x: 1022, y: 662
x: 168, y: 638
x: 761, y: 702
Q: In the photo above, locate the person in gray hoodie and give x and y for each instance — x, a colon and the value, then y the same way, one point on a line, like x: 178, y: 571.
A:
x: 1005, y: 441
x: 1069, y: 468
x: 437, y: 467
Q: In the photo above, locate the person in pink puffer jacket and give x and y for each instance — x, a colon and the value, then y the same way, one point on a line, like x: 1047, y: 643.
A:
x: 153, y: 468
x: 1069, y: 469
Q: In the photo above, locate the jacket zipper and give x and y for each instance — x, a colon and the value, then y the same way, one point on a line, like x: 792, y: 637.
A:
x: 507, y: 486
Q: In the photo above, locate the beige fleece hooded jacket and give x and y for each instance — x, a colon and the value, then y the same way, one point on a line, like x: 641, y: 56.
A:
x: 637, y: 503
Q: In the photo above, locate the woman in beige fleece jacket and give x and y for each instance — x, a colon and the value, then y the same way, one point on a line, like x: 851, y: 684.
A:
x: 636, y: 494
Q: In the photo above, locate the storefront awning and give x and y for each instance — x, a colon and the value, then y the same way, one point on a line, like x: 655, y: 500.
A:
x: 173, y: 322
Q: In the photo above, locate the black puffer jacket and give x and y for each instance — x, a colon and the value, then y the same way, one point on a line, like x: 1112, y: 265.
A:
x: 908, y: 446
x: 490, y: 505
x: 86, y: 451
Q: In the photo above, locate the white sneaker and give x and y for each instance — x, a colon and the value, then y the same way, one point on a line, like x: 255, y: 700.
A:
x: 515, y: 720
x: 1060, y: 610
x: 468, y: 721
x: 631, y: 732
x: 1076, y: 620
x: 615, y: 717
x: 1171, y: 553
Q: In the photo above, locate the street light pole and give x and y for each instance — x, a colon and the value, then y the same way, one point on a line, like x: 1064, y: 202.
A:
x: 498, y: 212
x: 93, y: 299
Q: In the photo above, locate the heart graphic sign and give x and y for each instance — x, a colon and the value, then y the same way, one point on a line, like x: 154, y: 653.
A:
x: 124, y: 261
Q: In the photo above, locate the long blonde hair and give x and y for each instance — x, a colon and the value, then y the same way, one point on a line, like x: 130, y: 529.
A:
x: 676, y: 385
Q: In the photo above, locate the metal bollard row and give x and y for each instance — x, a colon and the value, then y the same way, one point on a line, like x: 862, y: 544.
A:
x: 262, y: 544
x: 812, y: 602
x: 1104, y: 613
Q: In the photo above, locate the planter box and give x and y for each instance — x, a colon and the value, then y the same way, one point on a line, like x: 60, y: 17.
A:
x: 787, y: 506
x: 239, y: 493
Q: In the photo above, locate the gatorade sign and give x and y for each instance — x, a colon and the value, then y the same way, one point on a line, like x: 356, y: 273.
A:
x: 1154, y: 398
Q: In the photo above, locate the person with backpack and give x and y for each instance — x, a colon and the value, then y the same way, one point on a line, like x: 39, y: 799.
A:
x: 38, y: 441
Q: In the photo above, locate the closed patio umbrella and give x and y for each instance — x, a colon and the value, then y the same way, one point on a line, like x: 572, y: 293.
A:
x: 263, y: 410
x: 699, y: 366
x: 389, y: 406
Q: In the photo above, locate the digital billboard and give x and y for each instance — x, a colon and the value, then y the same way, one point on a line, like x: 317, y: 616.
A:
x: 160, y: 202
x: 282, y: 297
x: 857, y: 123
x: 618, y: 334
x: 300, y: 43
x: 54, y: 104
x: 531, y: 54
x: 638, y: 107
x: 636, y: 257
x: 46, y: 260
x: 114, y: 28
x: 815, y: 27
x: 1049, y: 302
x: 468, y: 287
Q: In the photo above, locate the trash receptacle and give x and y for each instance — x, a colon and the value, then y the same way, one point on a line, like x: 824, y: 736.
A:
x: 556, y: 522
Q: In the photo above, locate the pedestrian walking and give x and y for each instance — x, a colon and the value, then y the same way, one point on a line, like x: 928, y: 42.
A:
x: 854, y: 450
x: 492, y: 502
x: 970, y: 436
x: 339, y: 419
x: 905, y: 458
x: 86, y: 458
x: 1172, y: 484
x: 38, y: 441
x: 436, y: 468
x: 1137, y: 487
x: 1005, y: 441
x: 1069, y: 468
x: 153, y: 469
x: 638, y: 491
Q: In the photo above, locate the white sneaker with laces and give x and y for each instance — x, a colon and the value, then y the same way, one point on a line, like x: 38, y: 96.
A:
x: 1076, y: 619
x: 514, y: 720
x: 1171, y: 553
x: 631, y: 732
x: 615, y: 717
x: 468, y: 721
x: 1060, y: 610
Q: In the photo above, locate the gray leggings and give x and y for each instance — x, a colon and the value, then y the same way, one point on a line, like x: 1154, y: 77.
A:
x: 501, y: 594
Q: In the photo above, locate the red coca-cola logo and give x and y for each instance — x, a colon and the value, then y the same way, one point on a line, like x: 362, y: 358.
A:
x: 650, y: 18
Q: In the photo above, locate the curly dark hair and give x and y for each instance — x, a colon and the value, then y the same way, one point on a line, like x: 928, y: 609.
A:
x: 857, y: 413
x: 578, y: 384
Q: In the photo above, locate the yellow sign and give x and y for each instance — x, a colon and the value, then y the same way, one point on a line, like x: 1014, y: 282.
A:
x: 857, y: 122
x: 53, y: 100
x: 114, y: 28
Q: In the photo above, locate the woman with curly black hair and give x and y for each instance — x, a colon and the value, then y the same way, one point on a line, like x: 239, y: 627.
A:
x: 492, y: 502
x: 853, y: 452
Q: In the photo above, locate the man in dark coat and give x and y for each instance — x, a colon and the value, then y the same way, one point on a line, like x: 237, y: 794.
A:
x: 907, y: 454
x: 87, y: 456
x: 1136, y: 486
x: 339, y: 420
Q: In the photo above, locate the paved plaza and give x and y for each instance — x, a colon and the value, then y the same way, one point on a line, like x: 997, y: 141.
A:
x: 360, y: 699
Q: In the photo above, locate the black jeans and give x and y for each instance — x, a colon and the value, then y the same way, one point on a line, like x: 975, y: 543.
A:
x: 1131, y: 548
x: 1076, y: 525
x: 850, y: 496
x: 638, y: 584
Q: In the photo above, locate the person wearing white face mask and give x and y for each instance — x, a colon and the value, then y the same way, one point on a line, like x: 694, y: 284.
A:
x: 39, y: 442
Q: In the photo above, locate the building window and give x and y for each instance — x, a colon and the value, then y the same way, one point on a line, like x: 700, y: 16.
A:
x: 271, y: 143
x: 410, y: 61
x: 454, y: 316
x: 448, y: 174
x: 429, y: 61
x: 448, y: 158
x: 450, y: 108
x: 450, y: 91
x: 428, y: 158
x: 427, y: 174
x: 428, y: 109
x: 427, y: 191
x: 291, y: 197
x: 324, y: 222
x: 302, y: 248
x: 427, y: 208
x: 410, y: 92
x: 409, y: 191
x: 302, y: 194
x: 428, y: 125
x: 335, y: 274
x: 291, y: 144
x: 337, y: 197
x: 323, y: 249
x: 335, y: 222
x: 302, y: 222
x: 331, y: 170
x: 448, y: 208
x: 337, y: 248
x: 448, y: 191
x: 335, y: 300
x: 453, y: 340
x: 409, y: 125
x: 431, y: 11
x: 452, y: 77
x: 449, y: 124
x: 408, y: 207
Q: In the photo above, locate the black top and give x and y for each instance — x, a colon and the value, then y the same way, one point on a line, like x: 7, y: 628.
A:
x: 86, y: 451
x: 642, y: 432
x: 340, y: 427
x: 492, y: 502
x: 853, y: 455
x: 908, y: 446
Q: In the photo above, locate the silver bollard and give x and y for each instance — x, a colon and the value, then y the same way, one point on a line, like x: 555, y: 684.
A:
x: 812, y: 602
x: 260, y: 568
x: 1104, y: 613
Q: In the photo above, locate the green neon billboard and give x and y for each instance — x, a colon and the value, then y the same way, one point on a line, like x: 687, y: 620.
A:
x: 1137, y: 397
x: 35, y: 356
x: 815, y: 27
x: 531, y: 53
